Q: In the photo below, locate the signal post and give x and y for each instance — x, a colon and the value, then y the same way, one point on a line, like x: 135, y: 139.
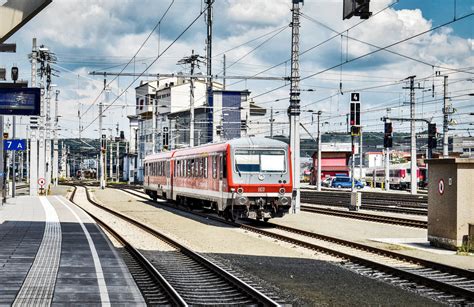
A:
x: 355, y: 132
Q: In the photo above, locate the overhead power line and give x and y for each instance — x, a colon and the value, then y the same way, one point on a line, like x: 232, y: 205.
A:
x: 134, y: 56
x: 153, y: 62
x: 370, y: 53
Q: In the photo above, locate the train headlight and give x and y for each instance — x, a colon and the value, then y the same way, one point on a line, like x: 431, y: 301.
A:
x: 242, y: 200
x: 281, y: 191
x: 240, y: 191
x: 284, y: 201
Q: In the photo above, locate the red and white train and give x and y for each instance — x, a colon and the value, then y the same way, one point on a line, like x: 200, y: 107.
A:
x: 246, y: 177
x: 399, y: 176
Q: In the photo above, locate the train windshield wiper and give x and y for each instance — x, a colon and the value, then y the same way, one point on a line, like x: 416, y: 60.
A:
x: 237, y: 167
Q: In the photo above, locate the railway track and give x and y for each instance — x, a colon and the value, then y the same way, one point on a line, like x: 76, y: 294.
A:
x: 367, y: 217
x: 193, y: 278
x: 154, y: 288
x: 442, y: 282
x: 396, y: 203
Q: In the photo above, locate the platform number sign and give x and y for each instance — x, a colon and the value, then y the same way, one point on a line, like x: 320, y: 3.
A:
x: 355, y: 97
x: 14, y: 145
x: 441, y: 187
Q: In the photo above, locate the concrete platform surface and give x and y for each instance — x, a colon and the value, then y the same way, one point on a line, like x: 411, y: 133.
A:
x: 52, y: 253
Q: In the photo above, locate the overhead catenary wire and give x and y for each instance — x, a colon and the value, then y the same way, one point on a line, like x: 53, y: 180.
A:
x: 133, y: 57
x: 156, y: 59
x: 369, y: 53
x: 321, y: 43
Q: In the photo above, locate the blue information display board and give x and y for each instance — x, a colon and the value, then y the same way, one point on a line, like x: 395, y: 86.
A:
x: 20, y: 101
x: 14, y: 145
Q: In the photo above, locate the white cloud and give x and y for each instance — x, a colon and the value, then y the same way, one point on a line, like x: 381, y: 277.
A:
x: 92, y: 31
x: 262, y: 12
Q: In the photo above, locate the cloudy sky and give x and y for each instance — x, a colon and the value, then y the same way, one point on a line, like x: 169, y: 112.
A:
x: 255, y: 36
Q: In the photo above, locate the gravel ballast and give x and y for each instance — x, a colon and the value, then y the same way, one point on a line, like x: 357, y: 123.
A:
x: 302, y: 276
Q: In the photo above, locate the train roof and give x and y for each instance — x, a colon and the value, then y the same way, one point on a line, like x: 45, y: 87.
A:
x: 255, y: 142
x: 164, y: 154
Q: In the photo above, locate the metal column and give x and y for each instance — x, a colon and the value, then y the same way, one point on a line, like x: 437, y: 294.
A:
x: 319, y: 154
x: 446, y: 113
x: 14, y: 159
x: 118, y: 162
x: 294, y: 109
x: 33, y: 158
x: 48, y: 163
x: 55, y: 144
x: 102, y: 150
x: 413, y: 166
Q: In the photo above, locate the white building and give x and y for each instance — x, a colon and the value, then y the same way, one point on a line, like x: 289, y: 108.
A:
x: 226, y: 117
x: 374, y: 159
x: 464, y: 146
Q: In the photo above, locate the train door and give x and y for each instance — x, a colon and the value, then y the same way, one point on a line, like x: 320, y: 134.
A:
x: 168, y: 178
x: 173, y: 172
x: 147, y: 174
x: 222, y: 177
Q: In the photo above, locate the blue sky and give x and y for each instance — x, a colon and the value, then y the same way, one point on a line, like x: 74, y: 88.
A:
x: 444, y: 10
x: 108, y: 32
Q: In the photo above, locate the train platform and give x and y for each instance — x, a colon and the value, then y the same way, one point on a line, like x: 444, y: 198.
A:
x: 53, y: 254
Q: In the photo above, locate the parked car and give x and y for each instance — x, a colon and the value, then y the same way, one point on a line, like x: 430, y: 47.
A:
x: 345, y: 182
x: 326, y: 182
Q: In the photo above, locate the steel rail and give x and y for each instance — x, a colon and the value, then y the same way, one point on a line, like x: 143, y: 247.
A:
x: 367, y: 217
x: 253, y: 293
x: 444, y: 287
x: 172, y: 296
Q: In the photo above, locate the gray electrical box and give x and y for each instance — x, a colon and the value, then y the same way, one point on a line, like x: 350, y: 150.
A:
x: 356, y: 201
x: 450, y: 201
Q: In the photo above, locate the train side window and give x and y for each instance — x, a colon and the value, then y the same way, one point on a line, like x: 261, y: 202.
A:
x: 167, y: 169
x: 214, y: 167
x: 220, y: 167
x: 201, y: 167
x: 205, y: 167
x: 224, y: 168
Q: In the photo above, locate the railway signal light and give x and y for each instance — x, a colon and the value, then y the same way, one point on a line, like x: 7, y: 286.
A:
x: 432, y: 136
x: 14, y: 72
x: 103, y: 142
x: 355, y: 130
x: 358, y: 8
x: 387, y: 139
x: 355, y: 112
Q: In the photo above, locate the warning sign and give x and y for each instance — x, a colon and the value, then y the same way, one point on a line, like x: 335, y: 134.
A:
x: 41, y: 182
x: 441, y: 187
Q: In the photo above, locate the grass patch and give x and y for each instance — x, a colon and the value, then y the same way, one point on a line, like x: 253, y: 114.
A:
x: 394, y: 247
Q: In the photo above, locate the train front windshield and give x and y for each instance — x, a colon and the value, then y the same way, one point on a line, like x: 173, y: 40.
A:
x: 256, y: 161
